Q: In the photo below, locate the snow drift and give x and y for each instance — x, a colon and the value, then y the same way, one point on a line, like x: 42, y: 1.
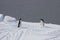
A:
x: 27, y: 30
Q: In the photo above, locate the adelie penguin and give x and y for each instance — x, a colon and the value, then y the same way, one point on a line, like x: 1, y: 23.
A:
x: 19, y: 23
x: 42, y: 22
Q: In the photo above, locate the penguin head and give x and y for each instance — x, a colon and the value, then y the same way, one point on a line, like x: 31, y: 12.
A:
x: 42, y: 20
x: 20, y: 19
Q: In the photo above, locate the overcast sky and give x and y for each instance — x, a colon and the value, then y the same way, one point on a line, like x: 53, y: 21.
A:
x: 32, y: 10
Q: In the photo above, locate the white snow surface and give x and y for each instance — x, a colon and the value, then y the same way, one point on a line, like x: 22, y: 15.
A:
x: 28, y: 31
x: 9, y: 19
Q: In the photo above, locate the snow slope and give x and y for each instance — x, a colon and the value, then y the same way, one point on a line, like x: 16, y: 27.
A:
x: 27, y: 30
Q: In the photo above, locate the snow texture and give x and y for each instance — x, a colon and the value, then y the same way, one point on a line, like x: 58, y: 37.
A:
x: 27, y: 30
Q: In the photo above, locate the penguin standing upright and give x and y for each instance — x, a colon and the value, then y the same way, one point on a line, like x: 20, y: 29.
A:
x: 19, y: 22
x: 42, y: 22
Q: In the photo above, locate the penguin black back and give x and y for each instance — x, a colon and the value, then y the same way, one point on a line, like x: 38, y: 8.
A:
x: 19, y: 22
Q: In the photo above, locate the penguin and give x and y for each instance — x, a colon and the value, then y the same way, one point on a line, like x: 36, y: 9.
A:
x: 42, y: 22
x: 19, y: 22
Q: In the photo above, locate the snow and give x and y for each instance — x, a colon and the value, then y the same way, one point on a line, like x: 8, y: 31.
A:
x: 30, y: 25
x: 41, y: 34
x: 1, y: 17
x: 9, y: 19
x: 28, y: 30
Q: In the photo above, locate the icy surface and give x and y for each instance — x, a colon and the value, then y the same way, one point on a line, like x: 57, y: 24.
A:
x: 9, y: 19
x: 28, y: 30
x: 1, y: 17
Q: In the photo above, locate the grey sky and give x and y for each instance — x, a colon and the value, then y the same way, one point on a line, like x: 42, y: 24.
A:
x: 32, y: 10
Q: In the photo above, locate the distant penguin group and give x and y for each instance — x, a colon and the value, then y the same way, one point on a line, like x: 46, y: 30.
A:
x: 41, y: 22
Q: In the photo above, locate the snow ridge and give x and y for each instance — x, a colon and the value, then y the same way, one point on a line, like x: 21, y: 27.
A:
x: 27, y: 30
